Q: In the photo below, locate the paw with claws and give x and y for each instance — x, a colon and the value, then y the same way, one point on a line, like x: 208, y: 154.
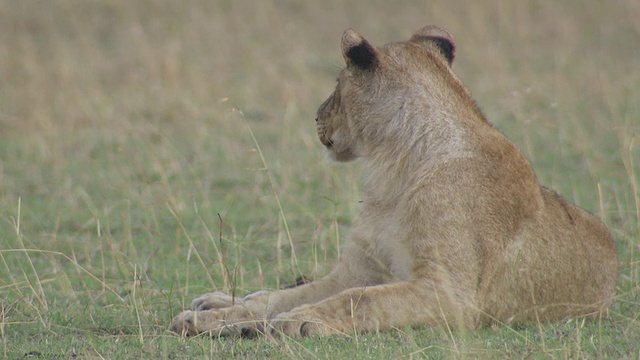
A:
x: 221, y: 314
x: 216, y: 322
x: 300, y: 323
x: 214, y: 300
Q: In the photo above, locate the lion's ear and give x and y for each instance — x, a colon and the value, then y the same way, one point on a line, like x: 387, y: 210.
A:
x: 433, y: 35
x: 358, y: 52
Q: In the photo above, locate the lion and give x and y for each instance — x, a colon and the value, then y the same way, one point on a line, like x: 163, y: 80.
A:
x: 454, y: 229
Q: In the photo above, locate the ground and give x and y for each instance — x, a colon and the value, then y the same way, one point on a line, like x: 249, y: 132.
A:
x: 151, y: 151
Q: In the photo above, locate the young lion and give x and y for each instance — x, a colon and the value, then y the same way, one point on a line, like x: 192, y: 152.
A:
x: 454, y: 228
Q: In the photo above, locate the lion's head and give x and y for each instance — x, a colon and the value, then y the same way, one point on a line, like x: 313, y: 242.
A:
x: 370, y: 101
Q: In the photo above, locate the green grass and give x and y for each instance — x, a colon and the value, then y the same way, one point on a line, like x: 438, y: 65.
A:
x: 151, y: 151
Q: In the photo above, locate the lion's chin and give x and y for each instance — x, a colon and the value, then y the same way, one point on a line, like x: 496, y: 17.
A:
x: 344, y: 155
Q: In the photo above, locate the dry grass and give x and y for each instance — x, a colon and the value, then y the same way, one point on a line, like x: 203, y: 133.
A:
x: 131, y: 181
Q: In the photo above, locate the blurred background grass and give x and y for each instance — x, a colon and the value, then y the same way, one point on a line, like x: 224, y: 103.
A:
x: 130, y: 181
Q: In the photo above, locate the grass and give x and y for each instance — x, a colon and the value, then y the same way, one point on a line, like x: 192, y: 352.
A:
x: 151, y: 151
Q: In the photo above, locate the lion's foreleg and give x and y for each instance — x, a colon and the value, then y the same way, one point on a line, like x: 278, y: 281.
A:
x: 374, y: 308
x: 221, y: 314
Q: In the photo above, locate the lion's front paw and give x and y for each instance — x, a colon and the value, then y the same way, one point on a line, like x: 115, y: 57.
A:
x: 214, y: 300
x: 232, y: 321
x: 191, y: 323
x: 220, y: 300
x: 300, y: 324
x: 185, y: 324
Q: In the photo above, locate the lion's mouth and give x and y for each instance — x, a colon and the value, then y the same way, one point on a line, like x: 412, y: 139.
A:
x: 324, y: 139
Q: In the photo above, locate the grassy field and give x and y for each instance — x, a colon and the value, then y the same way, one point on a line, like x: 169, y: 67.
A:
x: 154, y: 150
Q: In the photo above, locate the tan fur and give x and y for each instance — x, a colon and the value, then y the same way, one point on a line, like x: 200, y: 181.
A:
x: 454, y: 228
